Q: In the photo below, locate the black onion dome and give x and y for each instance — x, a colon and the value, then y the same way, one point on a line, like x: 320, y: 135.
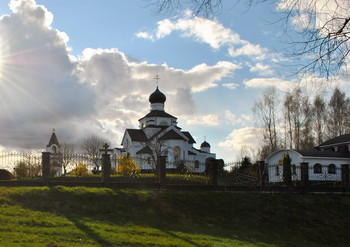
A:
x: 205, y: 145
x: 157, y: 97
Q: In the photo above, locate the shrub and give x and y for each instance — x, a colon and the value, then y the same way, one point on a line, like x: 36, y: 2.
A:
x: 25, y: 169
x: 80, y: 170
x: 181, y: 168
x: 21, y: 170
x: 5, y: 175
x: 127, y: 166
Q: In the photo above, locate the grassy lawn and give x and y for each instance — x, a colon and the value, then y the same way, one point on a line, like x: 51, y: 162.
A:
x: 79, y: 216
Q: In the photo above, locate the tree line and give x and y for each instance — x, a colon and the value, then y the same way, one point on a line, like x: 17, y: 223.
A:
x: 298, y: 120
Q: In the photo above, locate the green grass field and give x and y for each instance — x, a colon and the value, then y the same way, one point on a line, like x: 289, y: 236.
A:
x: 79, y: 216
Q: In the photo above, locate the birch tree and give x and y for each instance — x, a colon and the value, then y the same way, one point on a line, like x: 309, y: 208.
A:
x: 339, y: 113
x: 319, y: 110
x: 266, y: 118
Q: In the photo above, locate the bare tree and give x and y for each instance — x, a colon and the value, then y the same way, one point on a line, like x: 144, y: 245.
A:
x: 307, y: 140
x: 266, y: 119
x: 298, y: 120
x: 339, y: 113
x: 154, y: 148
x: 67, y: 154
x: 287, y: 110
x: 324, y: 34
x: 319, y: 118
x: 91, y: 146
x: 323, y: 26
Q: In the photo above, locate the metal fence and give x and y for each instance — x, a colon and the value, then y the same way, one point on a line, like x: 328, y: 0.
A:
x: 181, y: 172
x: 21, y: 164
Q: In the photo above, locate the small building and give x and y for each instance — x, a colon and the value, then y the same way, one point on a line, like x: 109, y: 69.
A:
x: 324, y: 162
x: 54, y: 149
x: 160, y: 135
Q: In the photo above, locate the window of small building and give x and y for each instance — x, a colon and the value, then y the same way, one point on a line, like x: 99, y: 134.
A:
x: 317, y: 168
x: 277, y: 170
x: 294, y: 170
x: 331, y: 169
x: 196, y: 164
x: 343, y: 148
x: 163, y: 123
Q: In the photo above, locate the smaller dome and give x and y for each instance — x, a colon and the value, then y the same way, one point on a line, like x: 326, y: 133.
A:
x: 205, y: 145
x: 157, y: 97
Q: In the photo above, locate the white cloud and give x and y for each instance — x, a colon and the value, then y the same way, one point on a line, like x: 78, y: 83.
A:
x: 209, y: 120
x: 38, y: 90
x: 230, y: 85
x: 261, y: 69
x: 145, y: 35
x: 270, y: 82
x: 207, y: 31
x: 238, y: 138
x: 238, y: 120
x: 254, y: 51
x: 203, y: 30
x: 31, y: 12
x: 100, y: 92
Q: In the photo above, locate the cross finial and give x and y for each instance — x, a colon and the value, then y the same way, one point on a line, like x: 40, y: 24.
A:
x: 105, y: 148
x: 53, y: 129
x: 157, y: 78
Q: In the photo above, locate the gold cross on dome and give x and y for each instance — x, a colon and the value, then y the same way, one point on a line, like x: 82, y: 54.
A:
x: 157, y: 78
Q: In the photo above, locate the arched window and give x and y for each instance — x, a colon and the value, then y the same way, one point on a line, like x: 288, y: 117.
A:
x: 196, y: 164
x: 177, y: 153
x: 331, y: 169
x: 277, y: 170
x: 294, y: 170
x: 317, y: 168
x: 54, y: 149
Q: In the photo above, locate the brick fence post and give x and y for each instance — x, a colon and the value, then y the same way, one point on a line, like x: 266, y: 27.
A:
x: 106, y: 163
x: 106, y: 168
x: 212, y: 166
x: 161, y: 170
x: 45, y: 166
x: 345, y: 175
x: 287, y: 173
x: 262, y: 174
x: 304, y: 174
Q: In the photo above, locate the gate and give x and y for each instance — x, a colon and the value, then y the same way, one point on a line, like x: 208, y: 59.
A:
x: 21, y: 164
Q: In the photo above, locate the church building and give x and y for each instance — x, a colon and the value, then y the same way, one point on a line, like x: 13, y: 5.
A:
x: 159, y: 135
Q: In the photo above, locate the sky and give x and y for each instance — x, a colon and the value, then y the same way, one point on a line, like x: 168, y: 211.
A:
x: 87, y: 67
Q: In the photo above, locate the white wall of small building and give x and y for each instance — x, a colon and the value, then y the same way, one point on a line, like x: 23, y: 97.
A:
x: 274, y: 176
